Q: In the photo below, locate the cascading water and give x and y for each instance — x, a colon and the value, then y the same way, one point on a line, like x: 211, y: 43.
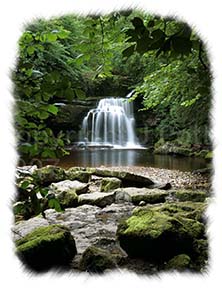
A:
x: 110, y: 124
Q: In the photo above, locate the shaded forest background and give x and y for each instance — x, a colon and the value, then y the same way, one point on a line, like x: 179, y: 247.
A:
x: 76, y: 61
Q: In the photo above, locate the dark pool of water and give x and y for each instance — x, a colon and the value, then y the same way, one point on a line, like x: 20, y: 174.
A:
x: 86, y: 158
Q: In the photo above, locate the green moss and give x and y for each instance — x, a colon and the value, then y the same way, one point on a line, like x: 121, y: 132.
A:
x: 77, y: 173
x: 48, y: 174
x: 150, y: 223
x: 187, y: 209
x: 110, y: 184
x: 188, y: 195
x: 154, y: 223
x: 179, y: 262
x: 68, y: 198
x: 209, y: 155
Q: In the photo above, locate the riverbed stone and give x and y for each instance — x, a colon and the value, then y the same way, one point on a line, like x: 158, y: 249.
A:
x: 25, y: 171
x: 91, y: 225
x: 128, y: 179
x: 46, y: 247
x: 157, y: 236
x: 100, y: 199
x: 179, y: 262
x: 110, y: 184
x: 96, y: 260
x: 69, y: 186
x: 48, y: 174
x: 136, y: 195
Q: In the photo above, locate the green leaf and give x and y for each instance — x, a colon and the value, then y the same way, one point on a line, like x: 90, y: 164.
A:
x: 24, y: 185
x: 43, y: 115
x: 44, y: 191
x: 53, y: 109
x: 48, y: 153
x: 31, y: 125
x: 63, y: 34
x: 30, y: 50
x: 54, y: 203
x: 51, y: 37
x: 18, y: 207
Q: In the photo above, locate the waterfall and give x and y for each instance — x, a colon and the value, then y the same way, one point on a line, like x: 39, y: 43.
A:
x: 111, y: 123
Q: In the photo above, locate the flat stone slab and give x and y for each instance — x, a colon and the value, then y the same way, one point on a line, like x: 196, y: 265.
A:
x: 128, y: 179
x: 100, y: 199
x: 136, y: 195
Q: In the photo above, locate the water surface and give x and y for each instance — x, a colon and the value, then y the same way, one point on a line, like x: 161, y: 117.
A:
x: 99, y: 157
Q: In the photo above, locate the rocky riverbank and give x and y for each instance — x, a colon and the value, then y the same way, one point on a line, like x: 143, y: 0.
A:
x: 140, y: 219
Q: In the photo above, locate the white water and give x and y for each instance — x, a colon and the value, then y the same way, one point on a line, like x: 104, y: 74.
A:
x: 111, y: 123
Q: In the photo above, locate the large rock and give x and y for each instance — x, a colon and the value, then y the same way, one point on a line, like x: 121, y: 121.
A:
x: 158, y: 236
x: 69, y: 186
x: 172, y: 149
x: 69, y: 117
x: 136, y: 195
x: 100, y: 199
x: 76, y: 173
x: 179, y: 262
x: 46, y: 247
x: 110, y: 184
x: 189, y: 195
x: 96, y: 260
x: 25, y: 171
x: 67, y: 192
x: 48, y: 174
x: 128, y: 179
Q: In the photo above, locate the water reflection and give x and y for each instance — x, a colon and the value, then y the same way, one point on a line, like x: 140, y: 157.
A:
x: 95, y: 158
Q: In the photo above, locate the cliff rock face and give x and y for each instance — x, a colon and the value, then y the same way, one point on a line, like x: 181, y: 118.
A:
x: 70, y: 116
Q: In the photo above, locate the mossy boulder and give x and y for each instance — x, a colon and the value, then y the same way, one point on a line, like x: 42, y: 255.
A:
x: 157, y: 236
x: 136, y: 195
x: 48, y: 174
x: 68, y: 199
x: 110, y: 184
x: 46, y: 247
x: 172, y: 149
x: 189, y: 195
x: 96, y: 260
x: 77, y: 173
x: 201, y: 251
x: 188, y: 209
x: 179, y: 262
